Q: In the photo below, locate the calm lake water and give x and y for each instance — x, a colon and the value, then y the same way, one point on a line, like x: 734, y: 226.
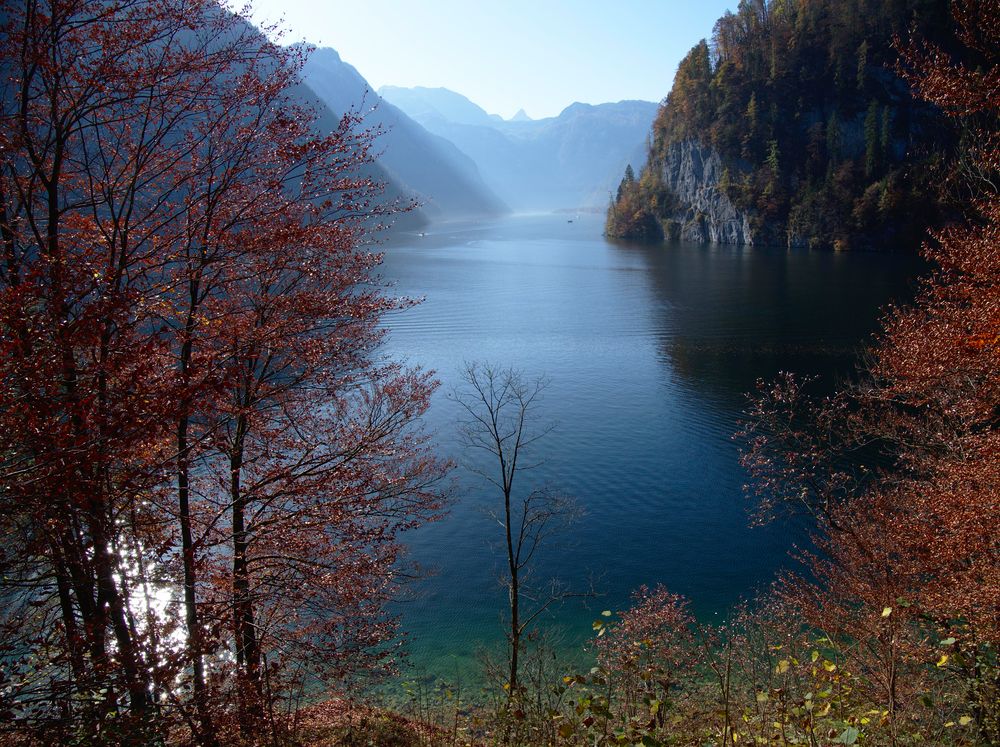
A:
x: 650, y: 351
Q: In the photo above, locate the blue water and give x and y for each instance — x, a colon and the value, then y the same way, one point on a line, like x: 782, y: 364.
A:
x: 650, y: 351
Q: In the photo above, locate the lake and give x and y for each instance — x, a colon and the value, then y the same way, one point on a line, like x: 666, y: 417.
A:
x: 650, y: 351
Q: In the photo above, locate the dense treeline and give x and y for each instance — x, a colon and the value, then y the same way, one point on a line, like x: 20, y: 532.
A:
x: 822, y: 141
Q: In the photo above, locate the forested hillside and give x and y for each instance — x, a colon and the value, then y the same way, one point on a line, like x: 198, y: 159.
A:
x: 820, y: 140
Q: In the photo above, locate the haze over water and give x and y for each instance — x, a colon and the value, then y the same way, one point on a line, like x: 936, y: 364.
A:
x: 650, y: 351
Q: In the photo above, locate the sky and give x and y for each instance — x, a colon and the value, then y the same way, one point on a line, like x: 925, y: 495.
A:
x: 505, y: 55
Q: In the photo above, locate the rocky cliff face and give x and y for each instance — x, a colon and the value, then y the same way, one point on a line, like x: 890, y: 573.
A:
x: 702, y: 212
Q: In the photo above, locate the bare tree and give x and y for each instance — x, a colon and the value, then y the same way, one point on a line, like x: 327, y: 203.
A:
x: 500, y: 404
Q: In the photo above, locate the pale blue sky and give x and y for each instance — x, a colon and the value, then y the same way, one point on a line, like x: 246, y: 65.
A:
x: 541, y: 55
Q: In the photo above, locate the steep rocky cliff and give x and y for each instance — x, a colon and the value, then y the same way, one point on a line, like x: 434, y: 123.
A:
x: 809, y: 135
x: 700, y: 210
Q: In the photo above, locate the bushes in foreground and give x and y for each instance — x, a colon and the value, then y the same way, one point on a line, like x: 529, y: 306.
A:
x: 763, y: 679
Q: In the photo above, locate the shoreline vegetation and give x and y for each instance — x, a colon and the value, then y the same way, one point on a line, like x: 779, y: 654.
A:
x: 208, y: 471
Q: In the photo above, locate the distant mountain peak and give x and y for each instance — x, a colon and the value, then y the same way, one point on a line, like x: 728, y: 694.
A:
x: 426, y: 104
x: 568, y: 161
x: 328, y: 54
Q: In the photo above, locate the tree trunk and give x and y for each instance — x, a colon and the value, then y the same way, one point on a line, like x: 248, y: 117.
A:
x: 247, y: 649
x: 515, y: 600
x: 195, y: 643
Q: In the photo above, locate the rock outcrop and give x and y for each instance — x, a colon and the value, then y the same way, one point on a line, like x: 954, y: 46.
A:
x: 702, y: 212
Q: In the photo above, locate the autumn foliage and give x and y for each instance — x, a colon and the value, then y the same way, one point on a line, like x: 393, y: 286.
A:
x: 822, y: 144
x: 888, y: 633
x: 905, y: 476
x: 204, y: 466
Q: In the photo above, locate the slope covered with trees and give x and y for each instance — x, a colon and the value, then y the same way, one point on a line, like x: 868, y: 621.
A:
x: 821, y: 141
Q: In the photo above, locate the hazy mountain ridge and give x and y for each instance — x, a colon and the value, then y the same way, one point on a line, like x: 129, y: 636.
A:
x: 426, y: 104
x: 445, y: 181
x: 393, y: 189
x: 572, y: 160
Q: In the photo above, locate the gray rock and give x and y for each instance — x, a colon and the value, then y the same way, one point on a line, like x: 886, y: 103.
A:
x: 704, y: 213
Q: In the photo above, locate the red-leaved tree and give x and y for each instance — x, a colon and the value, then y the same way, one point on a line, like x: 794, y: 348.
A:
x: 902, y: 470
x: 204, y: 465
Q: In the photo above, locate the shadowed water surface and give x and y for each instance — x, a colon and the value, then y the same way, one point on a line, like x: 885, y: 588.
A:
x: 650, y: 351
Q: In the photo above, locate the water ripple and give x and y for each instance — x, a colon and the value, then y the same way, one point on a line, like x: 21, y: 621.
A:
x: 649, y: 351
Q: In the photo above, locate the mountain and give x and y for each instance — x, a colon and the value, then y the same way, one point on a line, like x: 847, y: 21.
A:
x: 327, y: 120
x: 521, y: 116
x: 570, y: 161
x: 393, y: 189
x: 428, y: 104
x: 793, y: 127
x: 445, y: 181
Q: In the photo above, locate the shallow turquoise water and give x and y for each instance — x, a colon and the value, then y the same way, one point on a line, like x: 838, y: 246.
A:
x: 650, y: 350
